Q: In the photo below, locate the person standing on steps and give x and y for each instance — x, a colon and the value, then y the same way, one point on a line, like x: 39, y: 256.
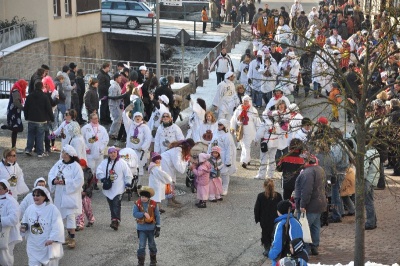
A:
x: 104, y: 84
x: 204, y: 19
x: 223, y: 64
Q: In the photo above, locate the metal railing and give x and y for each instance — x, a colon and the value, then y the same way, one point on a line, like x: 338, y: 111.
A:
x: 17, y: 33
x: 5, y: 87
x: 11, y: 62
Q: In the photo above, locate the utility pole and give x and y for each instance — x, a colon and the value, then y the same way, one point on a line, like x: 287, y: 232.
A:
x: 158, y: 57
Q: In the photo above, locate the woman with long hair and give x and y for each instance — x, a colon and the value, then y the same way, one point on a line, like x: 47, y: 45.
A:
x: 174, y: 161
x: 265, y: 212
x: 14, y: 109
x: 208, y: 127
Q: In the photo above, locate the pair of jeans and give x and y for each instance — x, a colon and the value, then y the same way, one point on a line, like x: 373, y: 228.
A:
x: 337, y: 204
x: 243, y: 18
x: 314, y: 221
x: 369, y: 205
x: 144, y: 236
x: 256, y: 96
x: 204, y: 26
x: 349, y: 204
x: 267, y: 96
x: 115, y: 207
x: 35, y: 136
x: 61, y: 108
x: 220, y: 77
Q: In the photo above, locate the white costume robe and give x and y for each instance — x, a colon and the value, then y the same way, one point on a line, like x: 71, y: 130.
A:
x: 9, y: 222
x: 225, y: 99
x: 156, y: 115
x: 283, y: 34
x: 67, y: 198
x: 96, y: 140
x: 294, y: 125
x: 224, y: 140
x: 14, y: 175
x: 172, y: 162
x: 195, y: 121
x: 302, y: 135
x: 44, y: 223
x: 249, y: 131
x: 204, y: 127
x: 141, y: 142
x: 121, y: 176
x: 65, y: 128
x: 269, y: 133
x: 157, y: 180
x: 165, y: 136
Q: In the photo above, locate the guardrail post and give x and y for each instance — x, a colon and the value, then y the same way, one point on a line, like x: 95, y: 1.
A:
x: 194, y: 30
x: 200, y: 74
x: 205, y: 68
x: 110, y: 23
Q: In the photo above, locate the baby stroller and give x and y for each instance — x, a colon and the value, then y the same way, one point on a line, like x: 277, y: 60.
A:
x: 194, y: 153
x: 133, y: 188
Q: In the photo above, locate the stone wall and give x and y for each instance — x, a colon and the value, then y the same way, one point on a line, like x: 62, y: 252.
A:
x: 24, y: 62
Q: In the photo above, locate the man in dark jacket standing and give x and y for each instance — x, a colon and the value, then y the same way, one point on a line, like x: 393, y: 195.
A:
x: 310, y: 197
x: 38, y: 112
x: 104, y: 85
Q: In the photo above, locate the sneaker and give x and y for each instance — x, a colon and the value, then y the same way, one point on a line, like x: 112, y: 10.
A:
x: 89, y: 224
x: 258, y: 177
x: 44, y: 154
x: 114, y: 225
x: 214, y: 200
x: 370, y: 227
x: 28, y: 153
x: 220, y: 199
x: 224, y: 193
x: 244, y: 165
x: 18, y: 151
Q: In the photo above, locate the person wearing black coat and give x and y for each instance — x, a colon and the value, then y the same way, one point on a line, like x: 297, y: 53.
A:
x: 80, y: 89
x: 37, y: 76
x: 265, y: 212
x: 148, y: 88
x: 37, y: 111
x: 165, y: 89
x: 91, y: 97
x: 104, y: 84
x: 291, y: 165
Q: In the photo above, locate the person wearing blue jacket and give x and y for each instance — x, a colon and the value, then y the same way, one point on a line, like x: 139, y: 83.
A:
x: 147, y: 216
x: 280, y: 245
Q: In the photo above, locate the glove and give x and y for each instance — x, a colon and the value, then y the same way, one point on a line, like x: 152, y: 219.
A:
x: 157, y: 231
x: 104, y: 98
x: 249, y: 81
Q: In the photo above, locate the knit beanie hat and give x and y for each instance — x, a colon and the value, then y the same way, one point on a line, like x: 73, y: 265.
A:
x: 155, y: 156
x: 283, y: 206
x: 323, y: 120
x: 83, y: 163
x: 204, y: 157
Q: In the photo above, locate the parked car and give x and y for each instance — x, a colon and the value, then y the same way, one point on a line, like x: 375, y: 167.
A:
x: 129, y: 13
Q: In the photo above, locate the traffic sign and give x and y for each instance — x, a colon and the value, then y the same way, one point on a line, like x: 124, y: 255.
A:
x: 183, y: 37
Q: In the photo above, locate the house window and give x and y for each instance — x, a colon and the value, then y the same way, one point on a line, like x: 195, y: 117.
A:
x: 57, y: 8
x: 68, y: 7
x: 88, y: 5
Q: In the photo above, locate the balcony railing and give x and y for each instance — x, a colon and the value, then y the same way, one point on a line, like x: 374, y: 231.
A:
x: 17, y: 33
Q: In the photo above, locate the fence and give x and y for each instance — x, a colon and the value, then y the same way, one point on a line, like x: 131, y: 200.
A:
x: 17, y: 33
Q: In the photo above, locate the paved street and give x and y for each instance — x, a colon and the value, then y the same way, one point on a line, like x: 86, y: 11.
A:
x: 224, y: 233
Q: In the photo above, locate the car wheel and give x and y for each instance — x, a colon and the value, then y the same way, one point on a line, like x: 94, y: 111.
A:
x: 132, y: 23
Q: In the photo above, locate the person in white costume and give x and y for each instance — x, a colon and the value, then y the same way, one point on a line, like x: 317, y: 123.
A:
x: 42, y: 226
x: 158, y: 179
x: 283, y: 34
x: 65, y: 130
x: 9, y: 224
x: 77, y: 141
x: 294, y: 121
x: 267, y: 133
x: 247, y: 117
x: 174, y: 161
x: 304, y: 133
x: 155, y: 119
x: 65, y: 181
x: 96, y: 140
x: 167, y: 133
x: 296, y: 8
x: 277, y: 95
x: 223, y: 139
x: 28, y: 200
x: 138, y: 136
x: 115, y: 175
x: 132, y: 160
x: 225, y: 100
x: 199, y: 109
x: 256, y: 78
x: 208, y: 127
x: 291, y: 64
x: 269, y: 71
x: 12, y: 172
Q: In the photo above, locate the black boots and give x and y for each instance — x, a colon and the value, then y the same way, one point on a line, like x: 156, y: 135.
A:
x: 153, y: 259
x: 201, y: 204
x: 141, y: 260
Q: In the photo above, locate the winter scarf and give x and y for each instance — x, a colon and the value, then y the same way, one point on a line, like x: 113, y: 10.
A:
x: 243, y: 115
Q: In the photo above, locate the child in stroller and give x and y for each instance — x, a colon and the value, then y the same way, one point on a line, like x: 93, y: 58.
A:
x: 130, y: 157
x: 198, y: 148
